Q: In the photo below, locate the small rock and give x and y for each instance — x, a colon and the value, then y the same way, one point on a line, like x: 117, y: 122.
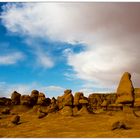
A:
x: 118, y: 125
x: 6, y: 111
x: 15, y: 119
x: 41, y: 115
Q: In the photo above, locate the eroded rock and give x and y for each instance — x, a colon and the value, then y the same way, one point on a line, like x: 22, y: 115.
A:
x: 125, y: 90
x: 15, y: 97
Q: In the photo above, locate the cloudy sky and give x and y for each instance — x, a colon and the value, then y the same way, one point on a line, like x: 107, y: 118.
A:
x: 82, y: 46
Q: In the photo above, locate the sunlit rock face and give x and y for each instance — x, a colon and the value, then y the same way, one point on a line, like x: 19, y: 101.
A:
x: 125, y: 90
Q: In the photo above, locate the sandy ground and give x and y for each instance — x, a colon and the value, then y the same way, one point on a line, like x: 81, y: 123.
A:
x: 57, y: 126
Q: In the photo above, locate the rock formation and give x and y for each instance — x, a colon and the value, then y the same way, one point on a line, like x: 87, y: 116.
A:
x: 53, y: 107
x: 25, y: 100
x: 5, y: 101
x: 34, y: 96
x: 66, y: 99
x: 80, y: 104
x: 6, y: 111
x: 65, y: 103
x: 15, y: 97
x: 125, y: 90
x: 77, y: 97
x: 96, y: 100
x: 41, y: 99
x: 66, y: 111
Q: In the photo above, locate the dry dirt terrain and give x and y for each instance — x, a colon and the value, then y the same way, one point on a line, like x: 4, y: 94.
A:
x: 54, y: 125
x: 114, y: 115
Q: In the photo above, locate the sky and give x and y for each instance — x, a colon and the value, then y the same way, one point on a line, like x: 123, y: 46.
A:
x: 56, y: 46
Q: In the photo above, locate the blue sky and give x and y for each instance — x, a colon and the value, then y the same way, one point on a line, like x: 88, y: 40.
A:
x: 55, y: 46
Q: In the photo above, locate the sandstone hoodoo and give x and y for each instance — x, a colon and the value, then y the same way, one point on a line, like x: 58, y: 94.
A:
x: 66, y: 99
x: 15, y: 97
x: 41, y: 99
x: 77, y: 97
x: 125, y: 90
x: 34, y: 96
x: 83, y: 102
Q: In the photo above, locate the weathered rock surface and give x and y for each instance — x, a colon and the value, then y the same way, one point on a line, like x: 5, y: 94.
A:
x: 52, y: 108
x: 25, y: 100
x: 77, y: 97
x: 65, y: 100
x: 53, y: 101
x: 66, y: 111
x: 137, y: 102
x: 5, y: 101
x: 96, y: 100
x: 41, y: 99
x: 15, y: 97
x: 125, y: 90
x: 34, y: 96
x: 83, y: 111
x: 75, y: 110
x: 104, y: 103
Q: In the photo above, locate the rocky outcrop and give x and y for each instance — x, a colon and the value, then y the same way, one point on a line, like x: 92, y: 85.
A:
x: 5, y: 101
x: 137, y: 98
x: 66, y: 111
x: 83, y: 111
x: 41, y: 99
x: 104, y: 104
x: 137, y: 102
x: 15, y: 97
x: 77, y: 97
x: 53, y: 107
x: 96, y: 100
x: 6, y: 111
x: 65, y: 103
x: 125, y: 90
x: 115, y: 107
x: 34, y: 96
x: 137, y: 92
x: 65, y: 100
x: 80, y: 104
x: 25, y: 100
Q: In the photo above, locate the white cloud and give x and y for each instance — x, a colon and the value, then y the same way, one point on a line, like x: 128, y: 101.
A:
x: 54, y: 88
x: 44, y: 60
x: 50, y: 91
x: 11, y: 58
x: 110, y: 32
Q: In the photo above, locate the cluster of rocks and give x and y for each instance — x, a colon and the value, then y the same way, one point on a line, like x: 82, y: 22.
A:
x: 35, y: 98
x: 69, y: 105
